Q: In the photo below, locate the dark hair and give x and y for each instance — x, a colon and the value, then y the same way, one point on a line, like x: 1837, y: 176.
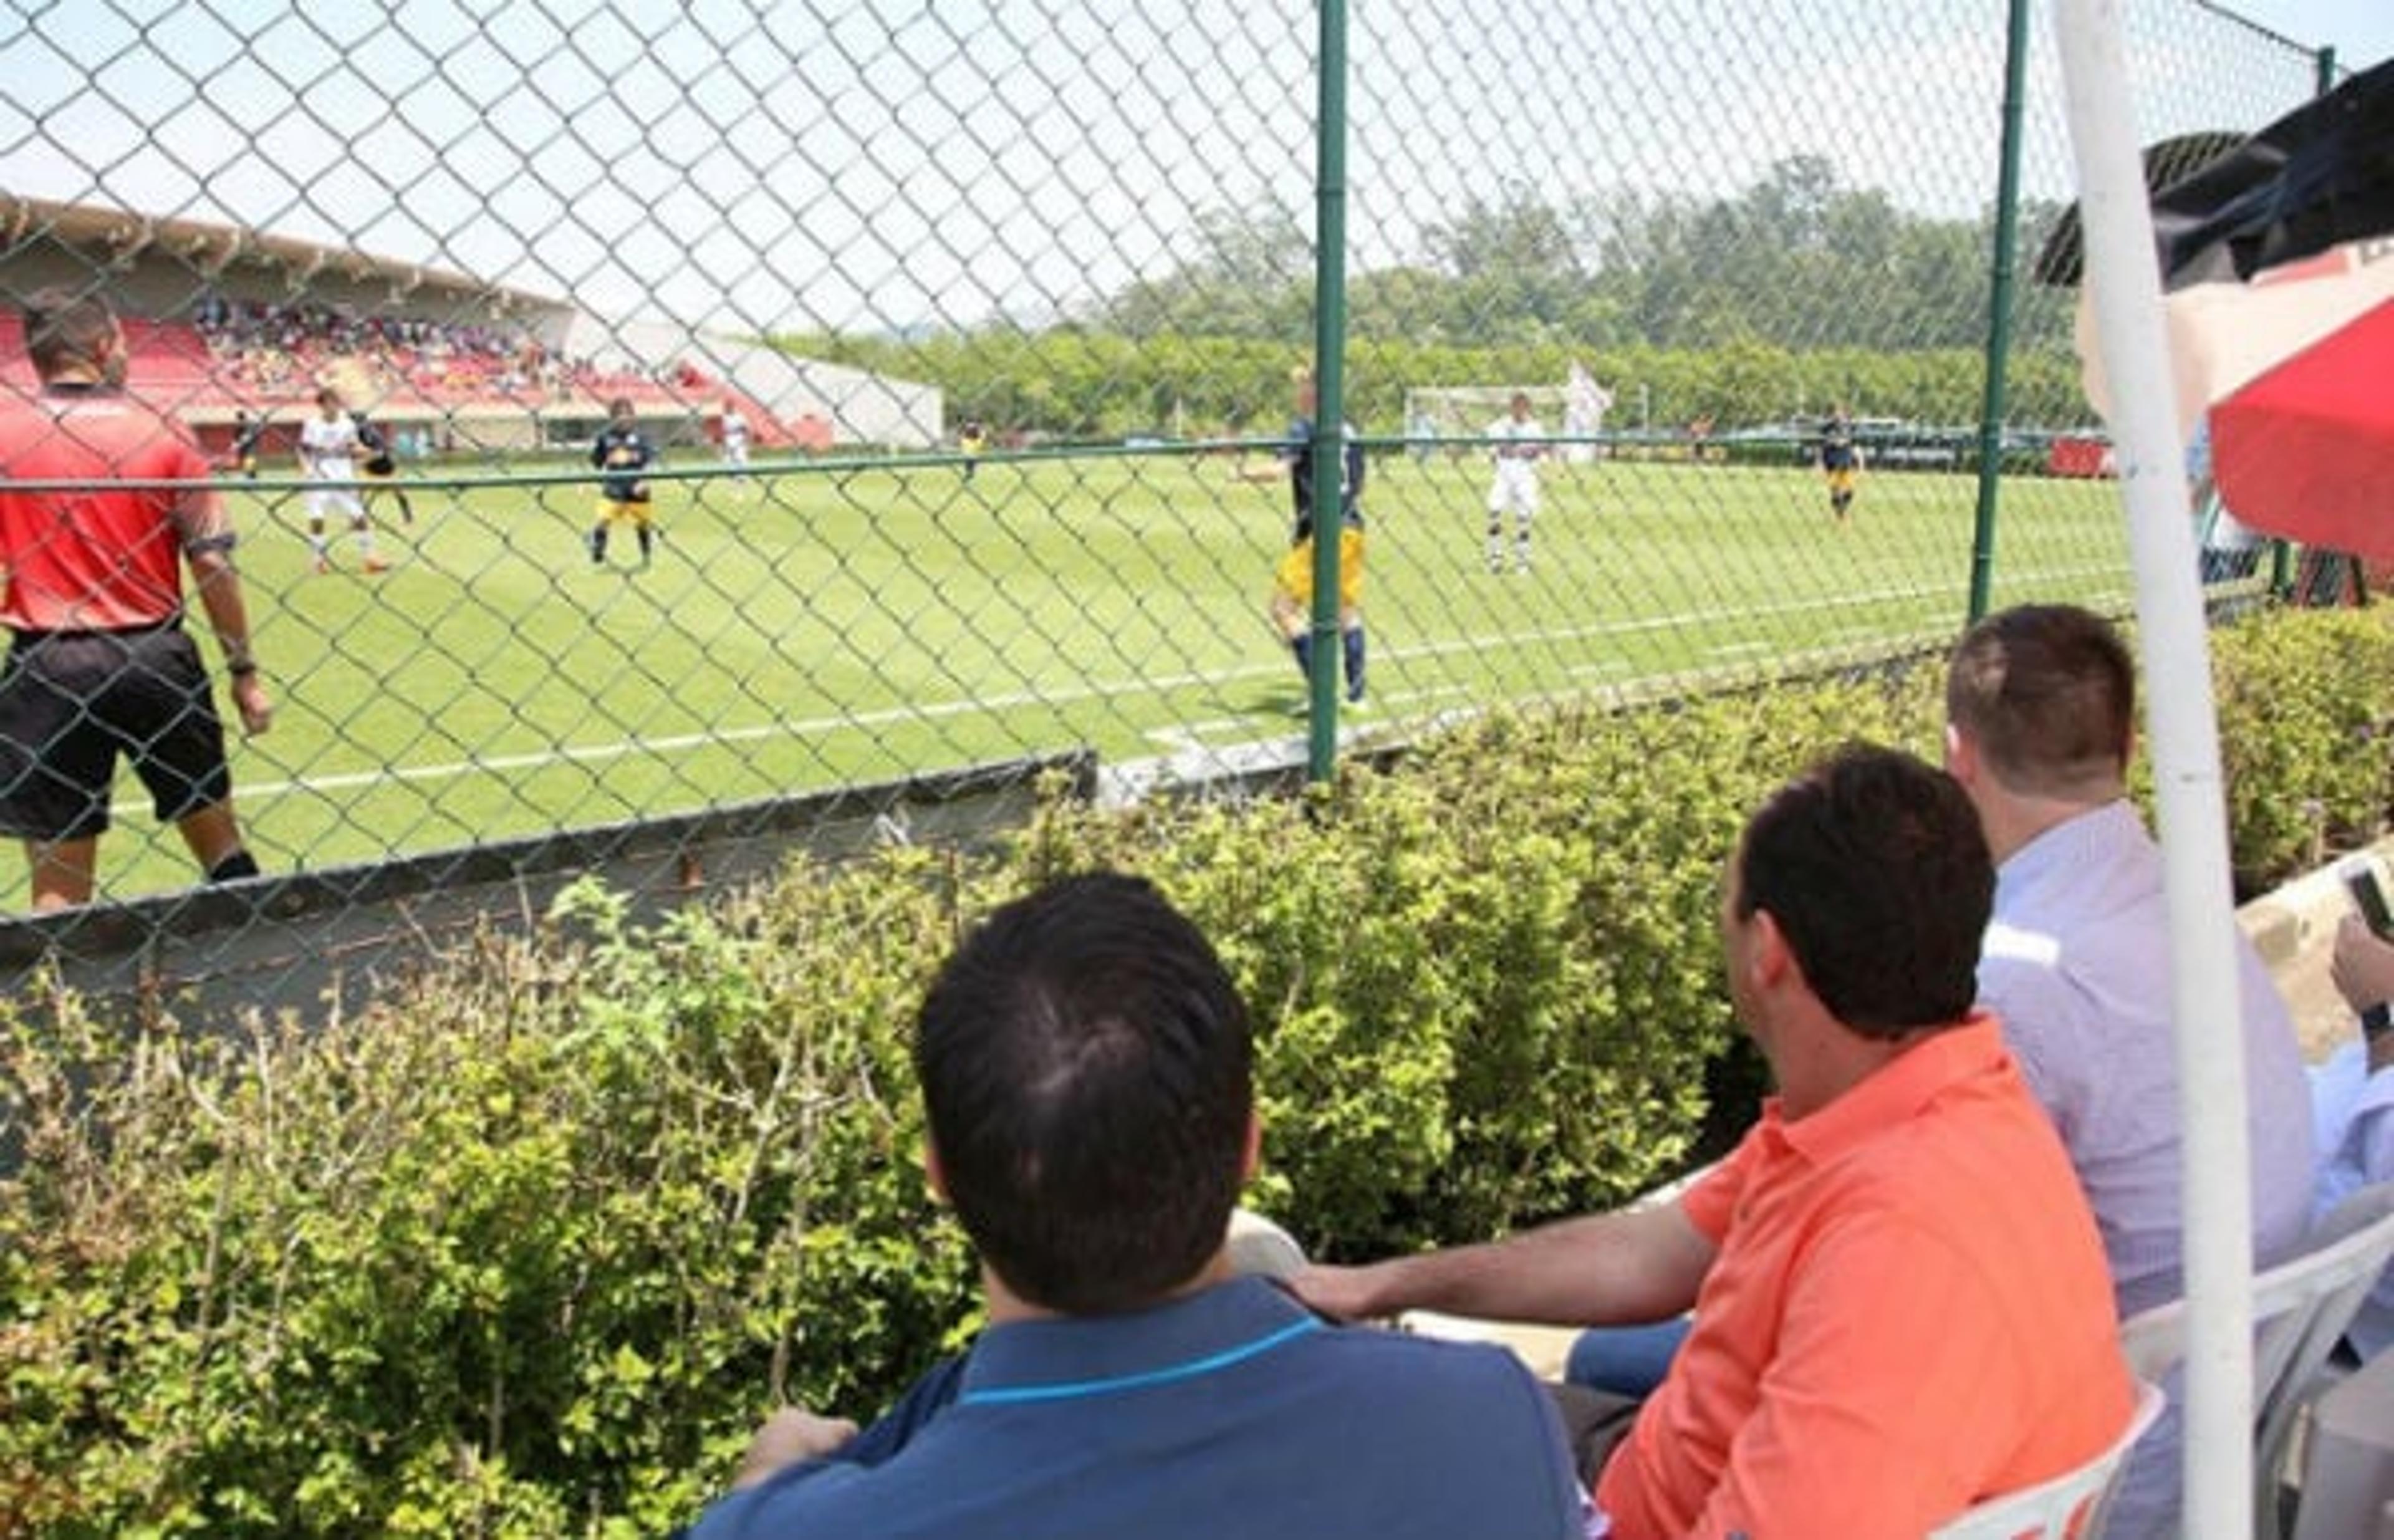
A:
x: 1874, y: 867
x: 1085, y: 1065
x: 620, y: 407
x: 2049, y: 696
x: 64, y: 328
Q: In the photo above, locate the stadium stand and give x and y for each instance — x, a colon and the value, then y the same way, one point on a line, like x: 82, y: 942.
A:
x: 214, y: 328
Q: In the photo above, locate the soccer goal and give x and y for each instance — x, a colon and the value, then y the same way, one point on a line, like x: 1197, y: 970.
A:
x: 1456, y: 416
x: 1464, y: 411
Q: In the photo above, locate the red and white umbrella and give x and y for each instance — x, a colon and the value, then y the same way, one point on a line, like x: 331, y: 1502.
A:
x: 2278, y: 277
x: 2295, y: 372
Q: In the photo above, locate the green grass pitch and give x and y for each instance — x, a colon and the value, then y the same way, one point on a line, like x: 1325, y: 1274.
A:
x: 835, y: 622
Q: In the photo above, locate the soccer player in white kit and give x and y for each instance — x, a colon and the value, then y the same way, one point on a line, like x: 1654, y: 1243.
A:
x: 1520, y: 442
x: 329, y: 448
x: 735, y: 441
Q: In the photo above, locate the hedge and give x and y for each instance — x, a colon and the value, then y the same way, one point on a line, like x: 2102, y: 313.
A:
x: 528, y: 1247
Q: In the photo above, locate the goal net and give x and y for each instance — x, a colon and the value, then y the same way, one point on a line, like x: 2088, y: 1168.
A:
x: 1464, y: 411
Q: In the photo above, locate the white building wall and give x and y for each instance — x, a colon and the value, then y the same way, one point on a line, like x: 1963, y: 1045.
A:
x: 862, y: 408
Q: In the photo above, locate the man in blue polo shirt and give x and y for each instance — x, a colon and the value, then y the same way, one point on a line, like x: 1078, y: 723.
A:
x: 1085, y: 1065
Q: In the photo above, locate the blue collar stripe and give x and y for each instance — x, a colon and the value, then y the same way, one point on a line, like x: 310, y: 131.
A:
x: 1015, y: 1395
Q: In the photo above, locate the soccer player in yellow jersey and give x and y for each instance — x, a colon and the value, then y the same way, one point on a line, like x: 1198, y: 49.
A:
x: 623, y: 451
x: 1292, y: 600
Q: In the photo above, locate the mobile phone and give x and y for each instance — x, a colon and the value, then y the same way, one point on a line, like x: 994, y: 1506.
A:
x: 2360, y: 875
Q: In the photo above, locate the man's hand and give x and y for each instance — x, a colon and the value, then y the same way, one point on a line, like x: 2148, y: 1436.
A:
x: 1342, y: 1293
x: 256, y: 708
x: 2364, y: 969
x: 790, y: 1436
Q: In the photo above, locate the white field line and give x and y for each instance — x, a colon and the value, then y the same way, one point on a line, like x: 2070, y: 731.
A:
x: 598, y: 754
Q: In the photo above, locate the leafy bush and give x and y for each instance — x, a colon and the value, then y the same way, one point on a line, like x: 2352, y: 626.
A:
x: 517, y: 1252
x: 528, y: 1247
x: 2306, y: 701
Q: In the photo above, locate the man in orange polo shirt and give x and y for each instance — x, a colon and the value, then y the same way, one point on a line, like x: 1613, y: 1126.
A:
x: 1901, y: 1300
x: 91, y: 593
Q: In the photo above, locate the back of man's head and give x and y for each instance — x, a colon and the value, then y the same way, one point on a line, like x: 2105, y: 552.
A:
x: 1873, y: 867
x: 65, y: 327
x: 1086, y: 1067
x: 2047, y: 696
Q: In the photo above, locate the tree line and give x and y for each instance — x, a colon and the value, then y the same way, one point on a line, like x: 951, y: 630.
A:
x: 1775, y: 302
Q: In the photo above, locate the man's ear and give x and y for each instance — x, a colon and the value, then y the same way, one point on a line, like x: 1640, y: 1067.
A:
x: 1961, y: 754
x: 1251, y: 1159
x: 1770, y: 956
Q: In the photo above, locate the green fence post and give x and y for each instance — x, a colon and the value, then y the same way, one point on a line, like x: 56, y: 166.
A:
x: 2281, y: 555
x: 1330, y: 395
x: 1999, y: 314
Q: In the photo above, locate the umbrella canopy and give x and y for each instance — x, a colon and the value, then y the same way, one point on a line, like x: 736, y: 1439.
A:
x: 2278, y: 284
x: 2307, y: 450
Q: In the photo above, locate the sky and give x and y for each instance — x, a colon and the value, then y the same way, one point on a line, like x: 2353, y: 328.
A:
x: 867, y: 166
x: 2361, y: 31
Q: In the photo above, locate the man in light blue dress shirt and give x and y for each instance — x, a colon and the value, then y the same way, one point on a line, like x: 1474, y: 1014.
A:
x: 2040, y: 708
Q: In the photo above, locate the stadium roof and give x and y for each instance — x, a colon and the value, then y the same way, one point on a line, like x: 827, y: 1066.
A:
x: 209, y: 248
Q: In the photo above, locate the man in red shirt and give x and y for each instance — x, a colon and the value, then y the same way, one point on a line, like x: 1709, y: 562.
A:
x: 91, y: 548
x: 1902, y: 1305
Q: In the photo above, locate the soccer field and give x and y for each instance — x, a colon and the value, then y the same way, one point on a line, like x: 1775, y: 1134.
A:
x: 838, y: 622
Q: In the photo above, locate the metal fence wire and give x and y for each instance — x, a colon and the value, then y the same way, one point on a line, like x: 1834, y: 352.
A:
x: 964, y: 338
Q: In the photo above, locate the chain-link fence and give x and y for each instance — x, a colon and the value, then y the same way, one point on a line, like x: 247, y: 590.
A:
x: 787, y: 401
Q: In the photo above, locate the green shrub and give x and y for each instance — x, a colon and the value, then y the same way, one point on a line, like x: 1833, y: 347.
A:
x: 2306, y: 701
x: 528, y: 1247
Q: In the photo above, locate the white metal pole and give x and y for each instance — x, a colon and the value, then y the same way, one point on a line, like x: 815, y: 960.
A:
x: 2124, y: 275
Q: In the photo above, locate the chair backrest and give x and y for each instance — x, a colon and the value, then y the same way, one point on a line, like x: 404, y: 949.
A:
x: 2300, y: 1308
x: 1262, y: 1249
x: 2070, y: 1504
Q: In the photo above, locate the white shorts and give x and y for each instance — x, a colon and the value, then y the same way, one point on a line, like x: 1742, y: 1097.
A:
x: 1515, y: 487
x: 325, y: 501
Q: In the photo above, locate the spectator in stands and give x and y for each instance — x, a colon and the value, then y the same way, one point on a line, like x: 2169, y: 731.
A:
x: 2354, y: 1096
x: 1900, y: 1304
x: 2040, y: 705
x: 98, y: 664
x: 1086, y: 1068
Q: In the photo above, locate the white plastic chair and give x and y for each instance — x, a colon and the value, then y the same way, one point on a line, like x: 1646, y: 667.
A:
x: 1261, y: 1249
x: 2070, y: 1504
x: 2300, y: 1309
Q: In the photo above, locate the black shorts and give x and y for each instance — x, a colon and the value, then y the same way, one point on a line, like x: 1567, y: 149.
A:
x: 71, y: 702
x: 382, y: 464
